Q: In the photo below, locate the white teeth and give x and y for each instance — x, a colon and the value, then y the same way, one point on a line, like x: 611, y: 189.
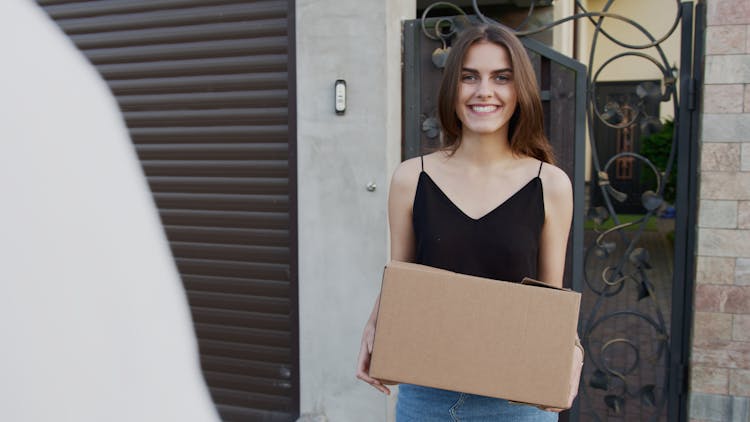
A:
x: 484, y: 109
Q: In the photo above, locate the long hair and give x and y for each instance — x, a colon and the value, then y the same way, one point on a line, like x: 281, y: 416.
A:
x: 526, y: 126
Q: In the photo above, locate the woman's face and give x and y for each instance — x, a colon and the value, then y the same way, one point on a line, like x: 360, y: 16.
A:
x: 486, y: 92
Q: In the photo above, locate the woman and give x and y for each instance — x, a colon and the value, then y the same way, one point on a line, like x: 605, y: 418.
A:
x: 489, y: 203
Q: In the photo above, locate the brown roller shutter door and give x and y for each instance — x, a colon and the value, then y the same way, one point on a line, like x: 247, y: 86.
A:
x: 207, y: 91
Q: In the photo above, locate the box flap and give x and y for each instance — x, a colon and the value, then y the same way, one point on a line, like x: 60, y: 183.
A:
x: 528, y: 281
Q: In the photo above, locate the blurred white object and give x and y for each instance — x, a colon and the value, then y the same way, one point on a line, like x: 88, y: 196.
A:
x: 94, y: 321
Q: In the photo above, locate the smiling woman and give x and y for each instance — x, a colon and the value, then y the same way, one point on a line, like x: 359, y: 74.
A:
x: 489, y: 203
x: 514, y: 71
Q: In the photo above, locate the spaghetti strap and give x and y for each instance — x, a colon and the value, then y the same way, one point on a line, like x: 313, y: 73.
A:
x: 540, y: 168
x: 421, y: 158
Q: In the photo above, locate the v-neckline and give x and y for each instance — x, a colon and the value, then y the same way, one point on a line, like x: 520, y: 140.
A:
x: 493, y: 210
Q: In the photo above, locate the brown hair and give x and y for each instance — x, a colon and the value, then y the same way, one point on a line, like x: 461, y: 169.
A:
x: 526, y: 126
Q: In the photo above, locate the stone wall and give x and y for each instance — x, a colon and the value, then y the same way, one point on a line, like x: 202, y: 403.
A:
x: 720, y: 367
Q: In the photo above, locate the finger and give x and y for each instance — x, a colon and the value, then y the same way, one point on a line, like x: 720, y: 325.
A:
x: 363, y: 367
x: 375, y: 383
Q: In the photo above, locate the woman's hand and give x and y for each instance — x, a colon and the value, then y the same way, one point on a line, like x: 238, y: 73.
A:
x: 575, y: 377
x: 363, y: 363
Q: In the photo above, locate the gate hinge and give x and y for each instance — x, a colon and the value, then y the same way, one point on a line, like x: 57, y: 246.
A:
x: 692, y: 87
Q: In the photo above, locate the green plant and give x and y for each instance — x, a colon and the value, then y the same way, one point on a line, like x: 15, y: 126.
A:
x: 656, y: 147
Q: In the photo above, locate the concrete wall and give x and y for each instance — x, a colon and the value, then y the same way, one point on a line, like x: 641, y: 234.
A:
x: 343, y: 242
x: 720, y: 369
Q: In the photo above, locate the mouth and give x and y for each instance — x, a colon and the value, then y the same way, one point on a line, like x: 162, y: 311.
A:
x: 483, y: 108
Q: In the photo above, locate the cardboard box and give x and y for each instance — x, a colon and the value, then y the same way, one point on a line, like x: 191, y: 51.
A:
x: 475, y: 335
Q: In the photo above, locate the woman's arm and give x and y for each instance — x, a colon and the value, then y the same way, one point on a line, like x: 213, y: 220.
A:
x: 558, y: 211
x: 400, y: 203
x: 558, y: 206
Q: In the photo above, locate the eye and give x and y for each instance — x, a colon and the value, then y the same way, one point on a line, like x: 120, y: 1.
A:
x: 468, y: 77
x: 502, y: 77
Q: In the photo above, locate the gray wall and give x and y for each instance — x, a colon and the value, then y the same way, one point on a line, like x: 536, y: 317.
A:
x: 343, y: 239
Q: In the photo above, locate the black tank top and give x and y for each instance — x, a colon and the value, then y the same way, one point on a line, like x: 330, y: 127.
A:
x: 503, y: 244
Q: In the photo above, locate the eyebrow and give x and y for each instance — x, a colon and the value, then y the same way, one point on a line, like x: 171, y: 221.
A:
x: 504, y: 70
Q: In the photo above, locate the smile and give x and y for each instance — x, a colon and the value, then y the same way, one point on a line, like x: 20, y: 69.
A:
x: 483, y: 108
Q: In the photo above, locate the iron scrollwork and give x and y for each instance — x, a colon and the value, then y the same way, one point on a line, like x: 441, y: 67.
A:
x: 624, y: 332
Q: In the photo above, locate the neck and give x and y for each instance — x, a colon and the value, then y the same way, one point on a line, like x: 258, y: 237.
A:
x: 484, y: 149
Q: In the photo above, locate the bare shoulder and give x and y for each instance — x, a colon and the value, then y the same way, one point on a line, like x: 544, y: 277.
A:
x: 407, y: 173
x: 556, y: 183
x: 405, y: 178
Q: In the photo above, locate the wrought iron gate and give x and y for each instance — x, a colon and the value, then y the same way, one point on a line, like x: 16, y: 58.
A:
x: 634, y: 270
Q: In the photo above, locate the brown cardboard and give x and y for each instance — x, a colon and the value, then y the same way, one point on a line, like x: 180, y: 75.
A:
x: 475, y: 335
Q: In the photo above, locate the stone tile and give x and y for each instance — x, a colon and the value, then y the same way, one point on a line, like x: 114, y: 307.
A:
x: 720, y: 156
x: 743, y: 215
x: 728, y: 69
x: 745, y: 157
x: 741, y: 327
x: 742, y: 272
x: 705, y: 379
x: 739, y: 383
x: 739, y: 300
x: 727, y: 12
x: 714, y: 270
x: 722, y: 354
x: 726, y: 127
x: 711, y: 326
x: 726, y: 39
x: 723, y: 98
x: 724, y: 242
x: 717, y: 214
x: 717, y: 156
x: 747, y: 86
x: 725, y: 185
x: 711, y: 297
x: 722, y: 298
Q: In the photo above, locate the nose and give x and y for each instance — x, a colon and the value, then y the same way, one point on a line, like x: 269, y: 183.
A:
x: 484, y: 90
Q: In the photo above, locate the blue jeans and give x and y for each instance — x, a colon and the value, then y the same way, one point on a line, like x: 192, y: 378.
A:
x: 424, y: 404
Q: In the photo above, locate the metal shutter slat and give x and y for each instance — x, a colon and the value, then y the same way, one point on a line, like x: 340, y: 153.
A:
x: 247, y: 368
x: 246, y: 319
x: 228, y: 236
x: 232, y: 219
x: 242, y: 400
x: 261, y: 304
x: 242, y: 286
x: 98, y: 7
x: 230, y: 252
x: 174, y: 17
x: 257, y: 185
x: 233, y: 269
x: 268, y: 151
x: 237, y: 168
x: 245, y: 82
x: 205, y: 66
x: 195, y: 100
x: 208, y: 31
x: 250, y: 352
x: 181, y: 51
x: 247, y: 383
x: 264, y: 337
